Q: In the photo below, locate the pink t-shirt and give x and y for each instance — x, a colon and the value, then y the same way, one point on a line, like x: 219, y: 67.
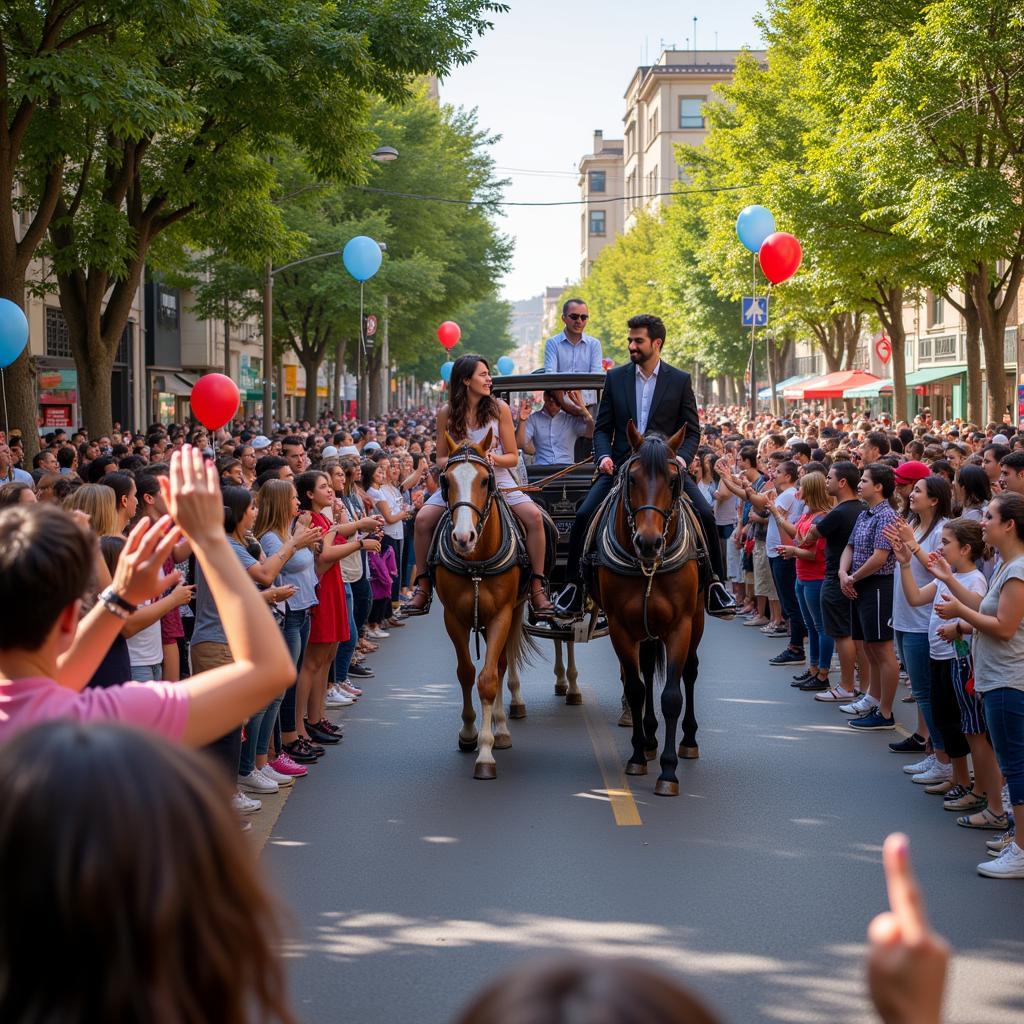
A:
x: 161, y: 707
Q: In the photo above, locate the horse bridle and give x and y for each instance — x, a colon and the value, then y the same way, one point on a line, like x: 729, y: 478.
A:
x: 665, y: 513
x: 468, y: 455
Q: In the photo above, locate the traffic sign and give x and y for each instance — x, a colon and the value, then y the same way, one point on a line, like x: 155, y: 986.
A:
x: 370, y: 325
x: 755, y: 311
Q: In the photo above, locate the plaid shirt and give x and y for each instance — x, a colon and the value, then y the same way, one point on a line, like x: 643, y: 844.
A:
x: 867, y: 537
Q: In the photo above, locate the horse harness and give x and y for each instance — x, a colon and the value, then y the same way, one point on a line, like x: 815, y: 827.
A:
x: 511, y: 548
x: 604, y: 549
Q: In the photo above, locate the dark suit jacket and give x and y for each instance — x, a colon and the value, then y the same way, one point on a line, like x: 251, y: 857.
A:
x: 672, y: 406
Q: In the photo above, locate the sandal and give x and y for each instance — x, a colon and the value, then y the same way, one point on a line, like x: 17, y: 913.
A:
x: 545, y: 609
x: 985, y: 819
x: 415, y: 605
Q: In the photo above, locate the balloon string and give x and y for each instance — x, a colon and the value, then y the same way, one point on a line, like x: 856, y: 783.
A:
x: 3, y: 387
x: 362, y: 338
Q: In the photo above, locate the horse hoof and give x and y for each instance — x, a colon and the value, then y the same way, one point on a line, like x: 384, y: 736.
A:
x: 689, y: 753
x: 651, y: 754
x: 517, y: 711
x: 467, y: 746
x: 561, y: 689
x: 502, y: 742
x: 665, y: 788
x: 574, y: 699
x: 485, y: 771
x: 626, y: 719
x: 635, y: 769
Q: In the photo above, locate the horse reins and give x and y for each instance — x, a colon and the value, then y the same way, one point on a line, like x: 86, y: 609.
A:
x: 539, y: 485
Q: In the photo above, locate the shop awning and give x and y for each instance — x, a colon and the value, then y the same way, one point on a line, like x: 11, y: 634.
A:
x: 173, y: 384
x: 256, y: 394
x: 833, y: 385
x: 874, y: 390
x: 934, y: 373
x: 765, y: 393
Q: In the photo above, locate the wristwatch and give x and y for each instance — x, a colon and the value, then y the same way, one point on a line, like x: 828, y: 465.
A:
x: 116, y: 604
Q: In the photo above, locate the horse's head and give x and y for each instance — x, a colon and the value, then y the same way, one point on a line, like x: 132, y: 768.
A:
x: 653, y: 484
x: 467, y: 485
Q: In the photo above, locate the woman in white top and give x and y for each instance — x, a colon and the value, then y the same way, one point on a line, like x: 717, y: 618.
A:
x: 469, y: 415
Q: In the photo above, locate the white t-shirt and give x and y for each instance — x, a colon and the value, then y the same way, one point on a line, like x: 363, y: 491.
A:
x: 905, y: 617
x: 145, y: 648
x: 939, y: 649
x: 393, y: 497
x: 793, y: 508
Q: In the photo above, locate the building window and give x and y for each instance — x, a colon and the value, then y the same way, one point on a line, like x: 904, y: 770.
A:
x: 597, y: 222
x: 924, y: 350
x: 124, y: 346
x: 690, y: 115
x: 945, y: 347
x: 58, y: 338
x: 936, y: 312
x: 597, y: 181
x: 167, y: 307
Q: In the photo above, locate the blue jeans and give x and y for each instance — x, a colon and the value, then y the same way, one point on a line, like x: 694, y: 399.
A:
x: 913, y: 652
x: 362, y: 599
x: 346, y: 648
x: 1004, y: 715
x: 819, y: 644
x: 147, y: 673
x: 258, y: 733
x: 784, y: 575
x: 296, y: 633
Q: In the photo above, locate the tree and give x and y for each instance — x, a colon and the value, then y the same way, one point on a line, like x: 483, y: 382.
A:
x: 182, y: 158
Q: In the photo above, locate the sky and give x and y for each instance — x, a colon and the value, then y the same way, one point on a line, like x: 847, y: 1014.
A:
x: 548, y: 75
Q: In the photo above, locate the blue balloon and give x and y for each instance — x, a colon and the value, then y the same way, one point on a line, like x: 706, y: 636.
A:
x: 753, y: 225
x: 446, y: 371
x: 362, y: 257
x: 13, y: 331
x: 505, y: 365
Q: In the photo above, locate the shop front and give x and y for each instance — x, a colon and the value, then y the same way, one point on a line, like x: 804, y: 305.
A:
x: 171, y: 393
x: 58, y: 397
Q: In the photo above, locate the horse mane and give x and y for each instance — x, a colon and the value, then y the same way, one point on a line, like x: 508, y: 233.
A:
x: 653, y: 455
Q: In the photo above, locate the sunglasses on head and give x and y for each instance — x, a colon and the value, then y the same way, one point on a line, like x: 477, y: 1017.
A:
x: 578, y: 316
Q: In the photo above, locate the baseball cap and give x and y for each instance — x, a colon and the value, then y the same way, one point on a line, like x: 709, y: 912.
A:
x: 1000, y: 439
x: 911, y: 472
x: 371, y: 446
x: 348, y: 449
x: 259, y: 442
x: 328, y: 451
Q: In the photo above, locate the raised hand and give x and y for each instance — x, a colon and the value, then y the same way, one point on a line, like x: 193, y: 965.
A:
x: 138, y: 573
x: 306, y: 536
x: 192, y: 495
x: 939, y: 567
x: 948, y: 607
x: 899, y: 548
x: 907, y: 961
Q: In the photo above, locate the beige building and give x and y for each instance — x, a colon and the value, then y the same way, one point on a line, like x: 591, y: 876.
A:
x: 664, y: 107
x: 601, y: 216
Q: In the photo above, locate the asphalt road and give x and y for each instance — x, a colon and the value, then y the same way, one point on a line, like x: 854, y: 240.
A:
x: 410, y: 884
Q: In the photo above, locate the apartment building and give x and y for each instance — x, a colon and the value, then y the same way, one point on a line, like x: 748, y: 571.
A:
x: 664, y: 107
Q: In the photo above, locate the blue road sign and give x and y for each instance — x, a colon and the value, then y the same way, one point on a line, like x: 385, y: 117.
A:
x: 755, y: 311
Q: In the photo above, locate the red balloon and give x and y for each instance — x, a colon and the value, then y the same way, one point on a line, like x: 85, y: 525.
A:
x: 780, y: 255
x: 607, y: 364
x: 449, y: 333
x: 215, y: 400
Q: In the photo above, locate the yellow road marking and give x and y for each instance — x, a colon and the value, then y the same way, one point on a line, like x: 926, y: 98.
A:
x: 610, y: 764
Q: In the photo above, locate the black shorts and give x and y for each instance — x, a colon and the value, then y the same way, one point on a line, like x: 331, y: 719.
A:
x: 836, y: 611
x: 872, y: 611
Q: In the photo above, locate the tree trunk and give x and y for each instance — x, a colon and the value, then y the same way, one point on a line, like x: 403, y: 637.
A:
x: 374, y: 373
x: 311, y: 364
x: 95, y: 369
x: 769, y: 362
x: 20, y: 387
x: 993, y: 303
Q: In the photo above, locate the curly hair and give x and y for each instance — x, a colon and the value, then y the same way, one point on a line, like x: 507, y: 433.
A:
x: 458, y: 403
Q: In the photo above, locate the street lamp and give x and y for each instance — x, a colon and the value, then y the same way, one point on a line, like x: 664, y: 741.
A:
x: 382, y: 155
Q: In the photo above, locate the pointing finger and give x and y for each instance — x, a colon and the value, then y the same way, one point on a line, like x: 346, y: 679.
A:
x: 904, y: 894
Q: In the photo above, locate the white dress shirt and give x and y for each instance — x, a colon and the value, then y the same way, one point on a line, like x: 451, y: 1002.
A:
x: 645, y: 395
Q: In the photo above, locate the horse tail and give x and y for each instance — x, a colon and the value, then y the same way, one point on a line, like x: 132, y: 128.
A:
x: 652, y: 654
x: 520, y: 647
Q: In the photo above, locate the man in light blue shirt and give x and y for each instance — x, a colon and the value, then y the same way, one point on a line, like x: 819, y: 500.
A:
x: 573, y: 351
x: 549, y: 434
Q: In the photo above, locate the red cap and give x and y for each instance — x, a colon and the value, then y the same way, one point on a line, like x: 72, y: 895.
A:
x: 911, y: 472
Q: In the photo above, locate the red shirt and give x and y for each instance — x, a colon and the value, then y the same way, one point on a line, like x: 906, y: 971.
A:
x: 806, y: 569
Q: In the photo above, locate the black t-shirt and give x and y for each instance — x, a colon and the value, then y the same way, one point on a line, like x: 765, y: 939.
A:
x: 836, y: 528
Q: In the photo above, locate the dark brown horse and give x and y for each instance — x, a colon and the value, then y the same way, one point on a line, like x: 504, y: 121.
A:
x: 649, y: 587
x: 479, y: 573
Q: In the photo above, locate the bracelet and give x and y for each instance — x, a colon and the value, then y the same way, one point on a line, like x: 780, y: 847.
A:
x: 111, y: 596
x: 113, y: 607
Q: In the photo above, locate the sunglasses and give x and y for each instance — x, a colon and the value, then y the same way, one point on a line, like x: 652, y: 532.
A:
x: 577, y: 316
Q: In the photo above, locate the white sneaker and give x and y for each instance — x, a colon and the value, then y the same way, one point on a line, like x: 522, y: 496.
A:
x: 242, y: 804
x: 256, y: 782
x: 377, y: 634
x: 938, y: 772
x: 861, y: 706
x: 920, y: 766
x: 278, y: 778
x: 337, y: 699
x: 1009, y: 864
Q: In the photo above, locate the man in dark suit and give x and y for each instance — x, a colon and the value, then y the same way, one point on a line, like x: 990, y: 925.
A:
x: 656, y: 397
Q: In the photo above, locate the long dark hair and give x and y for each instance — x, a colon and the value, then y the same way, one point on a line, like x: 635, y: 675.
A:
x: 458, y: 403
x: 941, y: 493
x: 306, y: 482
x: 236, y: 502
x: 975, y: 484
x: 165, y: 923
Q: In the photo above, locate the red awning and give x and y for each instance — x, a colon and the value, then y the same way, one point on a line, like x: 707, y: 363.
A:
x: 832, y: 385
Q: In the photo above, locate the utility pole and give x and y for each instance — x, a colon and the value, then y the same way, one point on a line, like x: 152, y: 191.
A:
x: 268, y: 348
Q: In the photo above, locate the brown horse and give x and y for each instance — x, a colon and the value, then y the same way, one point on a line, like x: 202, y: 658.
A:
x: 650, y: 591
x: 480, y: 568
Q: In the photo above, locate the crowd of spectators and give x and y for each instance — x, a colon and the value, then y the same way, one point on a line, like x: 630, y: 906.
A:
x: 885, y: 551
